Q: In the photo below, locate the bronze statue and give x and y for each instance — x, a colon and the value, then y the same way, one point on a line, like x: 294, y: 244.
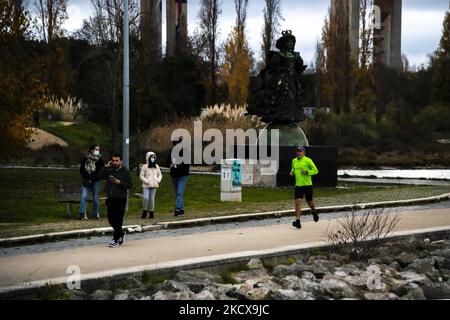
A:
x: 276, y: 94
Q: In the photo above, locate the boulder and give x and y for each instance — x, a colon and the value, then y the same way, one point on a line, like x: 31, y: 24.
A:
x: 338, y: 258
x: 282, y: 270
x: 329, y: 265
x: 423, y: 266
x: 442, y: 262
x: 121, y: 296
x: 311, y: 259
x: 414, y: 292
x: 360, y: 282
x: 220, y: 291
x: 441, y: 253
x: 101, y: 295
x: 181, y: 295
x: 204, y: 295
x: 297, y: 284
x: 350, y: 269
x: 395, y: 266
x: 234, y: 293
x: 336, y: 288
x: 405, y: 259
x: 255, y: 264
x: 174, y: 286
x: 437, y: 291
x: 196, y: 280
x: 134, y: 294
x: 290, y: 295
x: 380, y: 296
x: 445, y: 274
x: 243, y: 276
x: 399, y: 288
x: 258, y: 289
x: 160, y: 295
x: 321, y: 268
x: 309, y: 276
x: 412, y: 277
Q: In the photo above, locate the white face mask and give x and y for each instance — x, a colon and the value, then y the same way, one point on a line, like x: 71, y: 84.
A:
x: 152, y: 160
x: 96, y: 153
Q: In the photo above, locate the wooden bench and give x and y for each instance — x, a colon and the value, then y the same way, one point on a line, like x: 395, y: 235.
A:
x: 70, y: 193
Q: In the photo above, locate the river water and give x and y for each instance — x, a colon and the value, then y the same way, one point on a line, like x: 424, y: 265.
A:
x: 430, y: 174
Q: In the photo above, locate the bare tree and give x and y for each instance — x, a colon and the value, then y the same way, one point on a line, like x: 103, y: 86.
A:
x: 335, y: 38
x: 320, y: 72
x: 106, y: 25
x: 104, y: 30
x: 241, y: 18
x: 51, y: 15
x: 359, y: 235
x: 151, y: 24
x: 366, y: 35
x: 272, y: 18
x: 209, y: 16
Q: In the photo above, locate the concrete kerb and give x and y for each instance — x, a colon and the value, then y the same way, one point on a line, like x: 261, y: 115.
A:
x: 215, y: 220
x: 53, y: 236
x: 217, y: 263
x: 284, y: 213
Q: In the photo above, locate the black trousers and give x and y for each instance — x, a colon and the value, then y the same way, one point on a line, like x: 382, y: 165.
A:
x: 116, y: 211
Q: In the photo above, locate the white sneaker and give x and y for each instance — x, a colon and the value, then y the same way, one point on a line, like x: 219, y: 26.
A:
x: 113, y: 244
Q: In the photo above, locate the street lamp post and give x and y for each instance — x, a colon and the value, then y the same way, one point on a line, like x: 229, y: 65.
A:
x: 126, y: 88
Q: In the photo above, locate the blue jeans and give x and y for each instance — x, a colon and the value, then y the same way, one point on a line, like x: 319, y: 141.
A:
x: 179, y: 185
x: 95, y: 189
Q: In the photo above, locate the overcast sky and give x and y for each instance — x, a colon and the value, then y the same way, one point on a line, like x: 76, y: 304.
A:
x: 421, y: 23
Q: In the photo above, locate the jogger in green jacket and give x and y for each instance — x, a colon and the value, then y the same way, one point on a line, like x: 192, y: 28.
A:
x: 303, y: 168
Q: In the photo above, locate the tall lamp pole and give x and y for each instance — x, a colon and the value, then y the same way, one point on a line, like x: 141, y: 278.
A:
x: 126, y: 90
x: 126, y: 87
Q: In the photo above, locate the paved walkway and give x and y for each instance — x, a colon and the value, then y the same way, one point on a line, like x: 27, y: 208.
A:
x: 20, y: 270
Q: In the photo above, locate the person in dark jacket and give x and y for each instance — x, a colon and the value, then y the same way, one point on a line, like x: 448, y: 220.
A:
x: 118, y: 182
x: 90, y: 167
x: 179, y: 171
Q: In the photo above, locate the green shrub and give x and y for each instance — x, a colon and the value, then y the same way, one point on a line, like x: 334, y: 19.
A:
x: 434, y: 119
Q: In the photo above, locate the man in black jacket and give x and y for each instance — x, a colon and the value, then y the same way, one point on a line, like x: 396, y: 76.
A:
x: 118, y: 182
x: 90, y: 167
x: 179, y: 171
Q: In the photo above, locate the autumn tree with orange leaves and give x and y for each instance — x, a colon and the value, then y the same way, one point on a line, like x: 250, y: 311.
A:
x: 236, y: 69
x: 20, y: 87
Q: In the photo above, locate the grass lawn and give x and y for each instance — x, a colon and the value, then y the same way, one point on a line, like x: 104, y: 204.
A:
x: 28, y: 204
x: 80, y: 134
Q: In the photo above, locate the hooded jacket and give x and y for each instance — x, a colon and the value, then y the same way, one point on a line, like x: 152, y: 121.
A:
x: 150, y: 177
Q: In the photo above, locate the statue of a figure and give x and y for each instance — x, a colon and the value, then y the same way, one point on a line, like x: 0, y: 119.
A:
x: 276, y: 94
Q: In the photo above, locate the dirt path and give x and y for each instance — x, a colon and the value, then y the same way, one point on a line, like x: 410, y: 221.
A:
x: 41, y: 138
